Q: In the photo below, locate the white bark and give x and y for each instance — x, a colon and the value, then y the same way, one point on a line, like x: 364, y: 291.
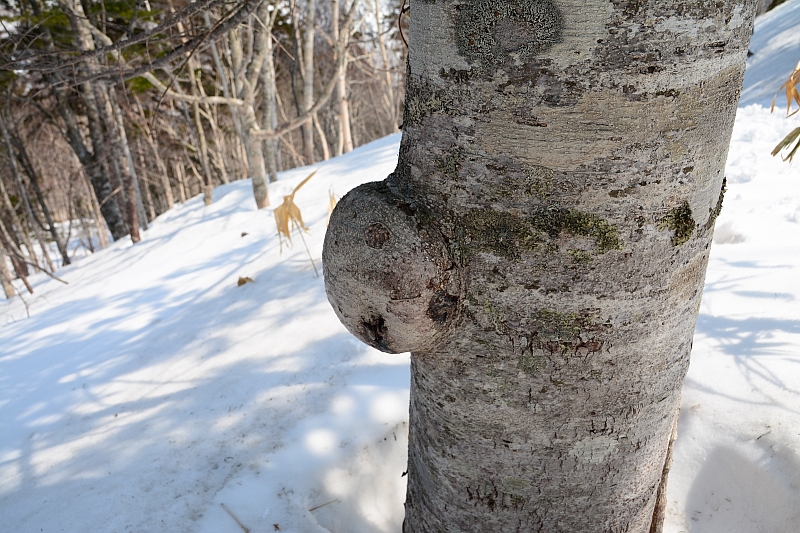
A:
x: 541, y: 249
x: 5, y: 275
x: 308, y: 78
x: 269, y: 108
x: 341, y: 39
x: 388, y: 86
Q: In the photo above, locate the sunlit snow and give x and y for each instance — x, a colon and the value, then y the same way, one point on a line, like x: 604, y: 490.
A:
x: 154, y: 394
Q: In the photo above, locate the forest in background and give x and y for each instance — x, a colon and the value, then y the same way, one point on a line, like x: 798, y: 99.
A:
x: 113, y: 111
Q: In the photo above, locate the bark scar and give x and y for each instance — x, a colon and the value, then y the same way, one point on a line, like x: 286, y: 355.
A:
x: 376, y: 235
x: 442, y: 307
x: 375, y: 332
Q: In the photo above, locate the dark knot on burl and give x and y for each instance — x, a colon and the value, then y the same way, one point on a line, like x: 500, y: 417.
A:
x: 388, y: 272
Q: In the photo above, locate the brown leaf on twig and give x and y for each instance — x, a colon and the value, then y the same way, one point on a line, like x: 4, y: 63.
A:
x: 288, y: 213
x: 792, y: 93
x: 332, y: 201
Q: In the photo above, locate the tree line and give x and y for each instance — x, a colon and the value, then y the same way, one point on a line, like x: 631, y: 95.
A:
x: 113, y: 111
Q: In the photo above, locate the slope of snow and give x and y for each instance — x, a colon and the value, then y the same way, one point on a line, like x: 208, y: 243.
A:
x: 154, y: 394
x: 737, y: 457
x: 776, y: 50
x: 152, y: 389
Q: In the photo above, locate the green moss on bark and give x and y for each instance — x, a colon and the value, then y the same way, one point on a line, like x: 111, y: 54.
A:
x: 506, y: 235
x: 680, y: 222
x: 499, y: 232
x: 552, y: 325
x: 554, y: 221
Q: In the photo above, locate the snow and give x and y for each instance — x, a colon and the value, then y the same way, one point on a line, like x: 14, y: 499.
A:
x: 153, y: 389
x: 152, y: 393
x: 776, y: 51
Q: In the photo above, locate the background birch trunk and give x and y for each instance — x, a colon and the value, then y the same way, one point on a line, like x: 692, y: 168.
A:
x: 13, y: 163
x: 14, y: 219
x: 308, y: 79
x: 101, y: 185
x: 208, y: 198
x: 117, y: 151
x: 5, y: 275
x: 100, y: 120
x: 341, y: 38
x: 246, y: 66
x: 541, y: 250
x: 269, y: 107
x: 386, y: 75
x: 134, y: 184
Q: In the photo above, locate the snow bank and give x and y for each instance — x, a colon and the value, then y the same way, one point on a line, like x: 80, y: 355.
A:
x: 153, y: 393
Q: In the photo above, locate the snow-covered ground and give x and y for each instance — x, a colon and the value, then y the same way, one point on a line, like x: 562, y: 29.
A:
x: 155, y: 394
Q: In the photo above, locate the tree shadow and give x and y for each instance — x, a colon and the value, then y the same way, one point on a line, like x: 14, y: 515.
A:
x: 736, y: 494
x: 176, y: 390
x: 166, y: 416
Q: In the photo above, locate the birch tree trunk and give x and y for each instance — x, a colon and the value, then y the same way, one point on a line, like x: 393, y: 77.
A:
x: 247, y: 71
x: 125, y: 148
x: 269, y: 108
x: 116, y: 147
x: 388, y: 87
x: 12, y: 161
x: 541, y: 249
x: 15, y: 142
x: 308, y: 78
x: 341, y: 38
x: 12, y: 214
x: 101, y: 185
x: 102, y: 123
x: 208, y: 197
x: 5, y: 275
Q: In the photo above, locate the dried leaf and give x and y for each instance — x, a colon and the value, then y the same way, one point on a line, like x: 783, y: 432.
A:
x: 793, y: 136
x: 332, y: 201
x: 287, y: 213
x: 243, y: 281
x: 792, y: 92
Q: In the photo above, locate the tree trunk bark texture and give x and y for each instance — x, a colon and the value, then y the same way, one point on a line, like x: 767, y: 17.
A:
x: 541, y: 250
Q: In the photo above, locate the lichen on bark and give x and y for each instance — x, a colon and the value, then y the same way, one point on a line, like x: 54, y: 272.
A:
x: 488, y: 32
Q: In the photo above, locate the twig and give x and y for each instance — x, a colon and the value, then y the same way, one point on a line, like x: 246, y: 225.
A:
x: 323, y: 505
x: 107, y: 198
x: 20, y: 258
x: 27, y: 310
x: 316, y: 273
x: 234, y: 517
x: 403, y: 9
